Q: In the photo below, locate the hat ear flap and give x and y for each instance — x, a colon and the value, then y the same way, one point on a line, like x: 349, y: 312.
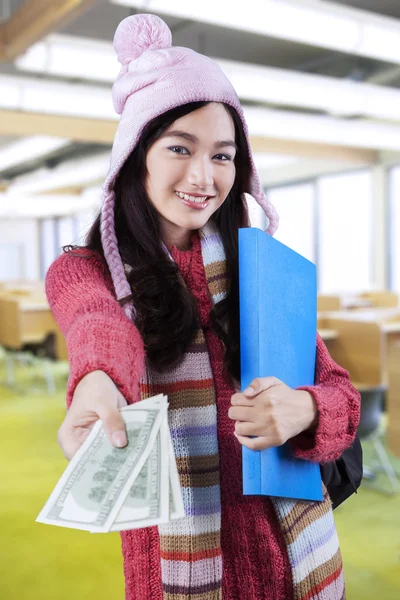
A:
x: 270, y: 212
x: 271, y: 215
x: 112, y: 255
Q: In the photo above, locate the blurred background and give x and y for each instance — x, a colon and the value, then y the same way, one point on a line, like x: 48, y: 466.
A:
x: 320, y: 85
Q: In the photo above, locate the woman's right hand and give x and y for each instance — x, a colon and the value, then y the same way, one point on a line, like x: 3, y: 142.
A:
x: 96, y: 397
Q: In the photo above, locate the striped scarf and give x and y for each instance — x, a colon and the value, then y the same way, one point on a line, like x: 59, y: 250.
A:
x: 191, y: 560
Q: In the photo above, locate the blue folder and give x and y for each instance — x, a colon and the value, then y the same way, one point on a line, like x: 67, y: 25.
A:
x: 278, y: 329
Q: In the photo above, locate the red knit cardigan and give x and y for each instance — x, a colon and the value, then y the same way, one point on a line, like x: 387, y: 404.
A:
x: 100, y: 336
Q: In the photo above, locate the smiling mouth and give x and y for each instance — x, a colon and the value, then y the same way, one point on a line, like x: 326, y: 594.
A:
x: 193, y: 199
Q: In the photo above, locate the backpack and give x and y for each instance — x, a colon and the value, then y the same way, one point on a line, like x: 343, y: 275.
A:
x: 343, y: 476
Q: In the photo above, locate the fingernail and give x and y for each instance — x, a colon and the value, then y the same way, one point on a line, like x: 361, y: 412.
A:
x: 249, y: 391
x: 119, y: 439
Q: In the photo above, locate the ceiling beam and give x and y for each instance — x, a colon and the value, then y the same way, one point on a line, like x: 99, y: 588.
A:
x: 314, y: 150
x: 101, y: 131
x: 77, y: 129
x: 71, y: 190
x: 35, y: 19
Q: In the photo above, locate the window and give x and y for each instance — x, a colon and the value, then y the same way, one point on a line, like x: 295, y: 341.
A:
x: 84, y: 220
x: 11, y: 261
x: 67, y: 233
x: 296, y: 208
x: 394, y: 229
x: 48, y: 244
x: 345, y: 232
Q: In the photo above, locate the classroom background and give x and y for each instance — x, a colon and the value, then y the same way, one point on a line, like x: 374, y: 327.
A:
x: 320, y: 85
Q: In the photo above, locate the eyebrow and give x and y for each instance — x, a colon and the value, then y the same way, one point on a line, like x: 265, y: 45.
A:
x: 192, y: 138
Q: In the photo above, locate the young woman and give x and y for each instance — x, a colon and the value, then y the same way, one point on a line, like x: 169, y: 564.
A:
x: 151, y: 305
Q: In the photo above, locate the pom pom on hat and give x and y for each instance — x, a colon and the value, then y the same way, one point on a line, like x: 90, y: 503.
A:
x: 138, y: 33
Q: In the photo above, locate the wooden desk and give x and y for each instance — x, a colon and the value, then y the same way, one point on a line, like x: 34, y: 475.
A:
x: 356, y: 303
x: 61, y: 346
x: 24, y: 322
x: 329, y: 302
x: 28, y: 320
x: 391, y: 331
x: 393, y: 399
x: 360, y: 348
x: 370, y: 351
x: 360, y: 301
x: 381, y: 298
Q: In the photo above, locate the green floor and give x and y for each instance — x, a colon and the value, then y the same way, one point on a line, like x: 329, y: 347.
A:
x: 41, y: 562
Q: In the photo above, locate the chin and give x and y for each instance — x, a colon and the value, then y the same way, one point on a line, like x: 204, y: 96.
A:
x: 196, y: 222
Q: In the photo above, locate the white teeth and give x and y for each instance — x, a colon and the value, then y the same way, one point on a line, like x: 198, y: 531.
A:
x: 191, y: 198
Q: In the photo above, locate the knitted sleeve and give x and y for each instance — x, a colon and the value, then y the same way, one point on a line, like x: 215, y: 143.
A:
x: 338, y: 405
x: 97, y: 332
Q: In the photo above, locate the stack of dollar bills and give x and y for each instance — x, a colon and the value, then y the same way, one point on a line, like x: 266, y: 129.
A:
x: 105, y: 488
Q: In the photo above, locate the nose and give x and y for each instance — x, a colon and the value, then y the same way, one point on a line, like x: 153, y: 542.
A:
x: 201, y: 173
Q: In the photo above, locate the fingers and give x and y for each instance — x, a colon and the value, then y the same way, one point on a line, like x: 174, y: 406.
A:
x: 70, y: 439
x: 247, y: 429
x: 260, y: 442
x: 240, y: 413
x: 249, y: 433
x: 254, y: 443
x: 121, y: 402
x: 96, y: 397
x: 260, y: 384
x: 241, y: 400
x: 72, y: 434
x: 114, y: 425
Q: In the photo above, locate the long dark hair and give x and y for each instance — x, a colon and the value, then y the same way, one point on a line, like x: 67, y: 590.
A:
x: 166, y: 313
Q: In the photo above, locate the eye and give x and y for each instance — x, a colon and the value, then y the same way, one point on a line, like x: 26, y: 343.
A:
x: 223, y: 157
x: 179, y: 150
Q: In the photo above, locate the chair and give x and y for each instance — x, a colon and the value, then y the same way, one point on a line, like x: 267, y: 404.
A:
x: 372, y: 400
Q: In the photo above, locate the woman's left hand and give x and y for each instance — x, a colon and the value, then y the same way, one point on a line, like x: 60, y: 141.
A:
x: 272, y: 411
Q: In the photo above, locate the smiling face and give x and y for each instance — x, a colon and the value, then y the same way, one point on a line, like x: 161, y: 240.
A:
x: 191, y: 170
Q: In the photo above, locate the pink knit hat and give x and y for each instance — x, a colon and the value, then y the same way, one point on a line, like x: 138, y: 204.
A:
x: 154, y: 78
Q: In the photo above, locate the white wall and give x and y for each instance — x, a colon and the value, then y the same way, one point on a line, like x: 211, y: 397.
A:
x: 22, y: 234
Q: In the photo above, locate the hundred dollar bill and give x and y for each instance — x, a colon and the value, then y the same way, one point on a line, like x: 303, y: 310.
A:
x: 147, y: 502
x: 176, y: 508
x: 95, y: 484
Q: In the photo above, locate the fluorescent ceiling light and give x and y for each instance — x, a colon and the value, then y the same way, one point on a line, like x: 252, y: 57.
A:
x: 75, y: 173
x: 285, y: 125
x: 54, y: 205
x: 267, y: 161
x: 56, y: 98
x: 321, y: 24
x: 9, y: 93
x: 23, y: 206
x: 254, y: 83
x: 70, y: 56
x: 28, y: 149
x: 288, y: 88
